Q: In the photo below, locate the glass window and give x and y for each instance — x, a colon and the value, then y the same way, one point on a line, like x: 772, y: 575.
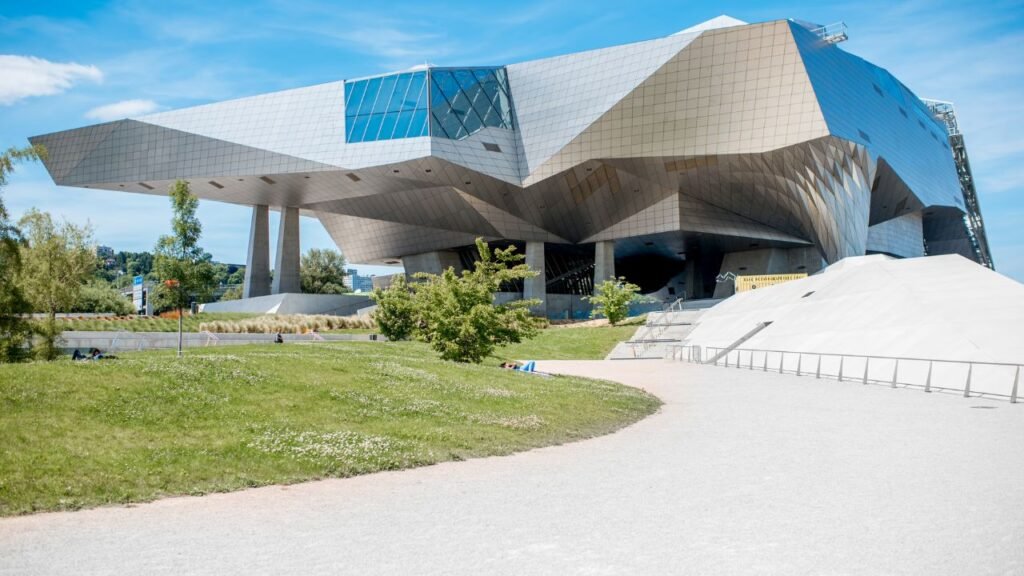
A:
x: 387, y: 126
x: 386, y: 107
x: 402, y: 125
x: 418, y: 127
x: 464, y: 101
x: 398, y: 97
x: 444, y: 102
x: 373, y: 127
x: 372, y: 87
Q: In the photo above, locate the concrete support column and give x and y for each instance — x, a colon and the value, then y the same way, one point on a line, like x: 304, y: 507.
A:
x: 536, y: 287
x: 435, y: 262
x: 604, y: 261
x: 286, y: 268
x: 257, y: 264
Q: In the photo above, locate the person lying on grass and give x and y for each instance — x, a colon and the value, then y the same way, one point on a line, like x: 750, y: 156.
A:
x: 529, y: 366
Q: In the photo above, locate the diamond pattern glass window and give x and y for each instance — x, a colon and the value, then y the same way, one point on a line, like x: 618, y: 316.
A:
x: 466, y: 100
x: 386, y: 107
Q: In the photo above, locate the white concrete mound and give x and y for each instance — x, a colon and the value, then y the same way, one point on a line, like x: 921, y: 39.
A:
x: 937, y: 307
x: 934, y: 307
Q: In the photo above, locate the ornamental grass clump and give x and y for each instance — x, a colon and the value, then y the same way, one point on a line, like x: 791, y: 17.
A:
x: 287, y: 324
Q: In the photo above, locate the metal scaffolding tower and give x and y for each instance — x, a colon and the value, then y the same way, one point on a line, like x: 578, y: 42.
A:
x: 972, y: 219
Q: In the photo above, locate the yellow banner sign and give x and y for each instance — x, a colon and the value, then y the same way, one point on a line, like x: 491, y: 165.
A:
x: 744, y: 283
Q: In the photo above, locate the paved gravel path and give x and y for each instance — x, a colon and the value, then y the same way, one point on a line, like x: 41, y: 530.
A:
x: 740, y: 473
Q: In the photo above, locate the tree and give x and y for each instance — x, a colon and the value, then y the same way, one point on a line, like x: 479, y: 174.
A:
x: 322, y: 272
x: 234, y: 292
x: 395, y: 309
x: 457, y: 316
x: 612, y: 298
x: 100, y: 297
x: 15, y: 331
x: 184, y: 268
x: 56, y: 261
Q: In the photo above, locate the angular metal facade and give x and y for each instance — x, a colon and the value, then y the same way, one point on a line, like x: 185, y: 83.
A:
x: 688, y: 147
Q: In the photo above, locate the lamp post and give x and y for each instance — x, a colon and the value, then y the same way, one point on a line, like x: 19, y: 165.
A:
x: 172, y: 284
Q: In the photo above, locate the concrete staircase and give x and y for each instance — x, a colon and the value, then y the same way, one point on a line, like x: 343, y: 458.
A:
x: 662, y: 329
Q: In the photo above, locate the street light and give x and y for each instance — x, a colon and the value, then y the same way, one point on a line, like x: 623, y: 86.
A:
x: 172, y: 284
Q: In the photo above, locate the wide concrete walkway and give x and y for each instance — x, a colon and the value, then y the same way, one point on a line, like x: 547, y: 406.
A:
x: 740, y: 473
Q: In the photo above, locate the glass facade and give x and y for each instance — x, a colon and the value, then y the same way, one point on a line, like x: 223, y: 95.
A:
x: 386, y: 107
x: 459, y: 103
x: 465, y: 100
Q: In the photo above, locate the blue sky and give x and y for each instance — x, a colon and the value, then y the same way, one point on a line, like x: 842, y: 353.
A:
x: 65, y: 64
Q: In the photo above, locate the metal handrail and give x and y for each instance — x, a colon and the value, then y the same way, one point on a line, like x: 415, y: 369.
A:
x: 656, y: 329
x: 698, y: 354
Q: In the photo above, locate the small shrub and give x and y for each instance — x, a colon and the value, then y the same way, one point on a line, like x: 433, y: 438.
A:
x: 395, y: 309
x: 612, y: 298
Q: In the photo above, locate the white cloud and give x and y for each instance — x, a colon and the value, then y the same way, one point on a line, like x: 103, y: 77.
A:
x: 122, y: 109
x: 25, y: 76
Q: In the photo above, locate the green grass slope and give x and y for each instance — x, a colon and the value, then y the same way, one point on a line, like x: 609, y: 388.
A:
x: 82, y: 434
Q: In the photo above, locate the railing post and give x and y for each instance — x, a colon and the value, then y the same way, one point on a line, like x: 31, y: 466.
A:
x: 928, y: 380
x: 751, y: 367
x: 817, y: 373
x: 726, y: 359
x: 799, y: 363
x: 967, y: 387
x: 782, y: 361
x: 765, y: 367
x: 739, y: 358
x: 867, y: 364
x: 1016, y: 380
x: 895, y: 372
x: 841, y: 359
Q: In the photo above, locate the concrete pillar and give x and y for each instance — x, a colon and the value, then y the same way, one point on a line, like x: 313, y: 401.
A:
x: 286, y: 268
x: 257, y: 264
x: 536, y: 287
x: 434, y: 262
x: 604, y: 261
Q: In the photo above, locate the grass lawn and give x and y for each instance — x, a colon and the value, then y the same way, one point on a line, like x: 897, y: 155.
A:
x: 147, y: 323
x: 584, y: 343
x: 82, y: 434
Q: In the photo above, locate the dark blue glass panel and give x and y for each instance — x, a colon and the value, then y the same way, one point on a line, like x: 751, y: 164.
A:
x: 418, y: 126
x: 372, y: 89
x: 357, y: 126
x: 373, y: 127
x: 385, y: 107
x: 402, y: 125
x: 353, y: 96
x: 416, y: 95
x: 387, y: 126
x: 398, y: 97
x: 463, y: 101
x: 387, y: 90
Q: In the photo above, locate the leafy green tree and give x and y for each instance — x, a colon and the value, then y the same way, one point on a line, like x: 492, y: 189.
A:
x: 395, y: 309
x: 322, y: 272
x: 15, y: 330
x: 57, y: 260
x: 100, y: 297
x: 232, y: 293
x: 612, y: 298
x: 457, y: 316
x: 183, y: 267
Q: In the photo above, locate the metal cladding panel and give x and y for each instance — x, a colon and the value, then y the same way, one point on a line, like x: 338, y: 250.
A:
x: 366, y: 240
x: 305, y: 122
x: 557, y: 98
x: 491, y: 151
x: 730, y: 91
x: 133, y: 151
x: 865, y: 104
x: 902, y: 236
